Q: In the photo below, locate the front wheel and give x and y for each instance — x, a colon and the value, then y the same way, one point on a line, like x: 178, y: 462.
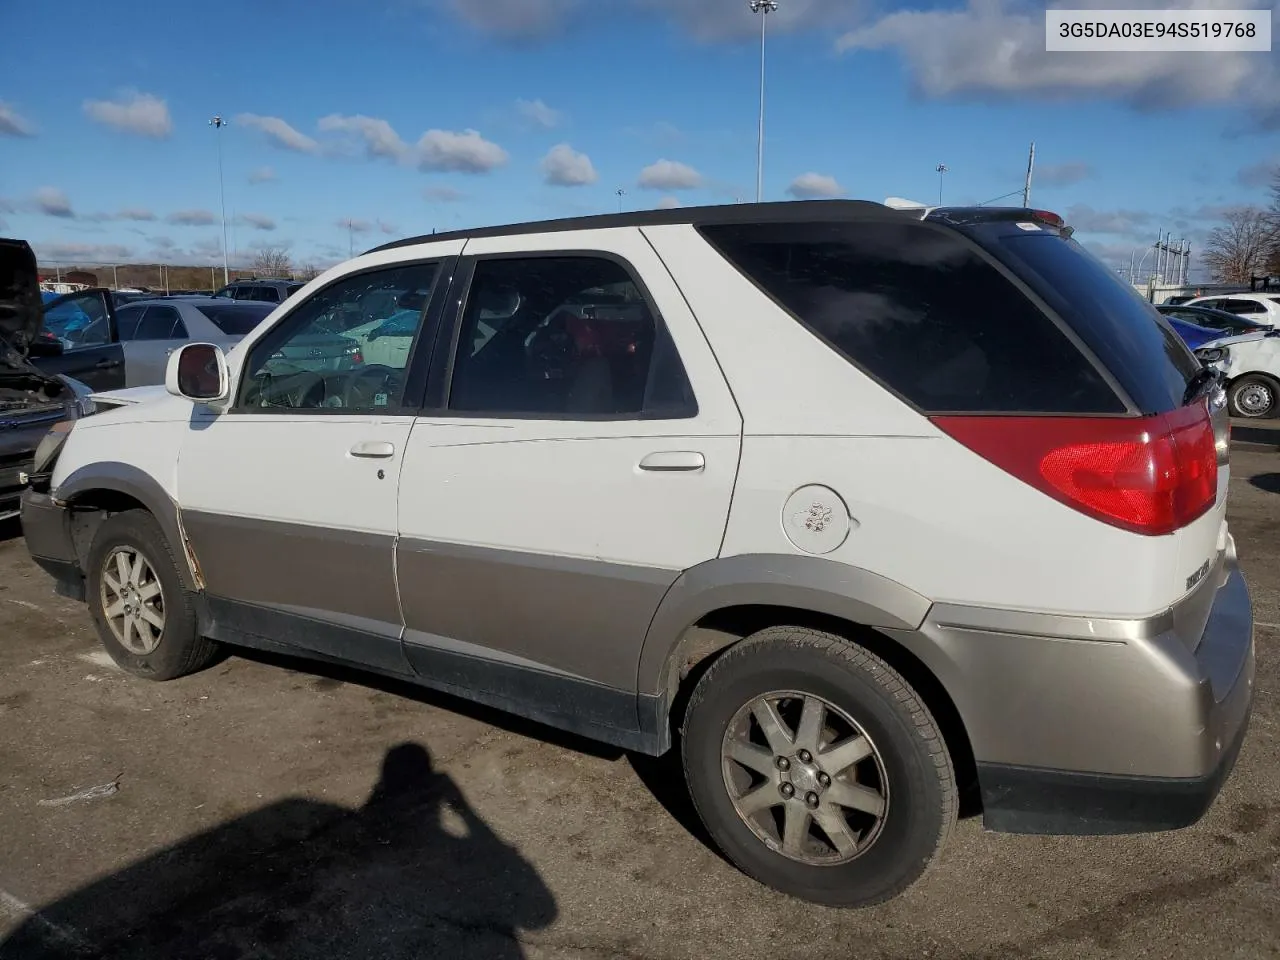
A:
x: 817, y: 769
x: 1254, y: 396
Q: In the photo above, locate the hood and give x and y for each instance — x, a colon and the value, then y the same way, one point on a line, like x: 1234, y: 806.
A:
x: 21, y: 315
x: 128, y: 396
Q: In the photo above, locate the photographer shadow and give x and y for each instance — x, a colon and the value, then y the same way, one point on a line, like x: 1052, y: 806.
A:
x: 413, y: 873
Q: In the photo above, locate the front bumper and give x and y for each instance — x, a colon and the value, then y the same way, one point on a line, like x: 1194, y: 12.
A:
x: 1100, y: 726
x: 46, y: 527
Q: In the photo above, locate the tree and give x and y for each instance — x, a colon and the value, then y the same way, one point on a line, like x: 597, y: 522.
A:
x: 308, y: 271
x: 272, y: 262
x: 1241, y: 247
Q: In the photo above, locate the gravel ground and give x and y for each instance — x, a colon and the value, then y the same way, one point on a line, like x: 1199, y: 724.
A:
x: 272, y: 809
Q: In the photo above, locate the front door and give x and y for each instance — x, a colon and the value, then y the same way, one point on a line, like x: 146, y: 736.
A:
x: 584, y: 455
x: 289, y: 497
x: 84, y: 323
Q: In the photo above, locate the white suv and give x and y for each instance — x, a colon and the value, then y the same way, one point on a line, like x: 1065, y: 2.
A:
x: 867, y: 510
x: 1258, y: 307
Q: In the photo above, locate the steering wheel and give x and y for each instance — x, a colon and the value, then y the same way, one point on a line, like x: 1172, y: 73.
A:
x: 363, y: 384
x: 305, y: 390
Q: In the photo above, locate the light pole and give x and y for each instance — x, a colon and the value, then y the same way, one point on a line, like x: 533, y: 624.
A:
x: 764, y: 8
x: 942, y: 169
x: 218, y: 123
x: 621, y: 193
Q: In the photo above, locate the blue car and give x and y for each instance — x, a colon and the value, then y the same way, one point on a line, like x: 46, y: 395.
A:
x: 1192, y: 335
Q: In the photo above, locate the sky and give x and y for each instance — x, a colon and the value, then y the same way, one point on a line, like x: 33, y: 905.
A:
x: 353, y: 122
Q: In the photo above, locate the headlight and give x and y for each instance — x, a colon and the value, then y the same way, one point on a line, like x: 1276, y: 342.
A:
x: 1213, y: 354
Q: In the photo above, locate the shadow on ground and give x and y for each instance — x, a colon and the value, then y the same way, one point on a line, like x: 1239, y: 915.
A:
x: 1270, y: 482
x: 413, y: 873
x: 10, y: 529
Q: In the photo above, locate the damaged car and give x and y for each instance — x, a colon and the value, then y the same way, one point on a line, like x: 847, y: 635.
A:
x: 32, y: 403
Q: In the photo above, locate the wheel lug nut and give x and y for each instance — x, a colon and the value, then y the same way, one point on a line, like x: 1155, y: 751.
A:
x: 824, y: 779
x: 811, y: 800
x: 805, y: 756
x: 783, y: 763
x: 787, y: 790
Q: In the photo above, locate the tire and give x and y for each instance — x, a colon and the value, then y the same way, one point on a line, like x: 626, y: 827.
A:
x: 173, y: 649
x: 1254, y: 396
x: 861, y: 696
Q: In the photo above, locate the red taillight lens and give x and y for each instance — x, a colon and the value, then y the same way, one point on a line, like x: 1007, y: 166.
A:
x: 1151, y: 475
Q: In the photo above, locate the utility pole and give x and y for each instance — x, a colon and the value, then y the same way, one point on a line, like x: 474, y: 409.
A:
x: 218, y: 123
x: 1031, y: 163
x: 764, y: 8
x: 942, y: 168
x: 115, y: 277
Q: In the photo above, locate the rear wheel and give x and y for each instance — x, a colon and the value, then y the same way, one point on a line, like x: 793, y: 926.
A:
x: 1254, y: 396
x: 143, y: 614
x: 817, y: 769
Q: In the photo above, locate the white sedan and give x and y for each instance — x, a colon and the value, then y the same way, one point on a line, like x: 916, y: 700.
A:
x: 1250, y: 365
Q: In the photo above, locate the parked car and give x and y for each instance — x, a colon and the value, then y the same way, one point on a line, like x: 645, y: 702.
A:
x: 107, y: 346
x: 1260, y: 307
x: 769, y: 484
x: 268, y: 291
x: 31, y: 402
x: 1192, y: 335
x: 1207, y: 318
x: 1250, y: 367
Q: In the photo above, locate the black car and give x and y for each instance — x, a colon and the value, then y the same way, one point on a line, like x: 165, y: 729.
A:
x: 269, y: 291
x: 32, y: 402
x: 1230, y: 324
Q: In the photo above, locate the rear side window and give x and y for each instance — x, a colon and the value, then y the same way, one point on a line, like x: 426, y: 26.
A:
x: 922, y: 311
x: 1245, y: 306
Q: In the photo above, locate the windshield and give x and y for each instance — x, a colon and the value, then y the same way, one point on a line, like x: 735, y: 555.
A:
x: 1127, y: 334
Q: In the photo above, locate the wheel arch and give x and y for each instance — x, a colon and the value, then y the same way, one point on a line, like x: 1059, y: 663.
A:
x: 97, y: 490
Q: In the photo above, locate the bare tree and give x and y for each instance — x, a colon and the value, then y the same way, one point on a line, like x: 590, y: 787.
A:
x: 1241, y: 247
x: 308, y: 271
x: 272, y: 262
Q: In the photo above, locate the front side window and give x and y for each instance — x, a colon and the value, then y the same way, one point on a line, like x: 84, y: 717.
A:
x: 127, y: 321
x: 563, y: 337
x: 79, y: 321
x: 347, y: 347
x: 158, y: 324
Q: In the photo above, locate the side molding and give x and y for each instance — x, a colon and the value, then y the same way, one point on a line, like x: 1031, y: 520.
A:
x: 803, y: 582
x: 127, y: 479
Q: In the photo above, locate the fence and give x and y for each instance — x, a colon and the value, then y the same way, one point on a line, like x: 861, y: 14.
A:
x: 151, y: 277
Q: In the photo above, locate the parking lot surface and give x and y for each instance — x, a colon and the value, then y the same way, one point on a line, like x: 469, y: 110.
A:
x: 272, y: 809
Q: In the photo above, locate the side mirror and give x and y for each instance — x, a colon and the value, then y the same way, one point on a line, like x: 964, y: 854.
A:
x: 198, y: 372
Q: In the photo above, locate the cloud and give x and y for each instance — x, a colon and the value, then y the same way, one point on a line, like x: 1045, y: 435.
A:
x: 1258, y: 174
x: 390, y: 229
x: 355, y: 225
x: 262, y: 175
x: 565, y: 167
x: 518, y: 20
x: 279, y: 132
x: 669, y: 203
x: 84, y: 253
x: 192, y: 218
x: 163, y: 242
x: 537, y: 112
x: 669, y: 175
x: 53, y: 202
x: 207, y: 247
x: 996, y: 49
x: 140, y: 113
x: 13, y: 124
x: 815, y: 186
x: 380, y: 139
x: 1126, y: 222
x: 465, y: 152
x: 443, y: 194
x: 1062, y: 174
x: 135, y: 213
x: 258, y: 221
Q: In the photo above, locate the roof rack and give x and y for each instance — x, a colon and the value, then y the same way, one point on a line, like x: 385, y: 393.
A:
x: 729, y: 213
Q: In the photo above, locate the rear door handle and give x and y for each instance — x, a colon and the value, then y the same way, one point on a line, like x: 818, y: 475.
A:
x: 374, y: 449
x: 673, y: 461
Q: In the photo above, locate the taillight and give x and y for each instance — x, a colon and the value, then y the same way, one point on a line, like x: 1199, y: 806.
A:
x: 1151, y: 475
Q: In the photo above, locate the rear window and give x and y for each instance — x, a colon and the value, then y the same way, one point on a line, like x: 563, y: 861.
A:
x: 1145, y: 355
x: 922, y: 311
x: 237, y: 320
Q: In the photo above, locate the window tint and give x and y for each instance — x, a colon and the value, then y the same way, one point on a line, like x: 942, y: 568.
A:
x: 1244, y: 306
x: 347, y: 347
x: 157, y: 324
x: 263, y: 294
x: 920, y: 310
x: 127, y: 321
x: 564, y: 337
x: 235, y: 320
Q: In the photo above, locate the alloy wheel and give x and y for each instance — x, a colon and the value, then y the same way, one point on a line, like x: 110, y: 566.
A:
x: 132, y: 600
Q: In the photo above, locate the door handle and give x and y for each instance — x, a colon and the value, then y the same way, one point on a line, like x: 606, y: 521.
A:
x: 673, y: 461
x: 106, y: 363
x: 374, y: 449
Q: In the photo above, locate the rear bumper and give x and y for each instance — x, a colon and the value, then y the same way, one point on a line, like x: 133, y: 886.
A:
x: 46, y: 527
x: 1102, y: 726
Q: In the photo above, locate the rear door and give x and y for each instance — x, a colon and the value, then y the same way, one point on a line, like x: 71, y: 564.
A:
x: 159, y: 332
x: 579, y: 455
x: 85, y: 323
